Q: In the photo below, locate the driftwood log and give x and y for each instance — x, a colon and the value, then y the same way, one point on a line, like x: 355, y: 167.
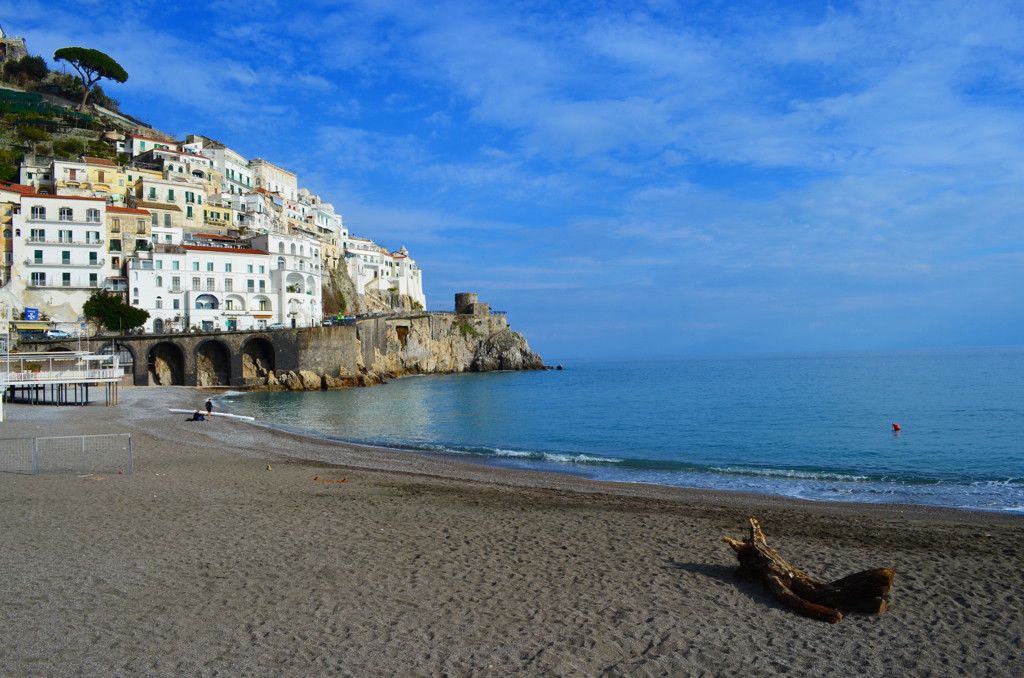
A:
x: 860, y: 592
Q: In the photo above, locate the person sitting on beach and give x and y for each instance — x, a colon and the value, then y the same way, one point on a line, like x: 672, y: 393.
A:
x: 197, y: 416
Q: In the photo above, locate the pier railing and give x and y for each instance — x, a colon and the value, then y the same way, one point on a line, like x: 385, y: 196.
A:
x: 106, y: 453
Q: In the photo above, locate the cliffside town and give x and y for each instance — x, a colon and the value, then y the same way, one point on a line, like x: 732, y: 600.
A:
x: 192, y: 232
x: 208, y: 241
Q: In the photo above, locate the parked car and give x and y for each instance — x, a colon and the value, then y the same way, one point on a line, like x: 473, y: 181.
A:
x: 275, y: 326
x: 57, y: 334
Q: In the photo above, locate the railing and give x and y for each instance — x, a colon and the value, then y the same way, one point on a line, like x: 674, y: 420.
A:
x: 109, y: 453
x: 65, y: 242
x: 62, y: 376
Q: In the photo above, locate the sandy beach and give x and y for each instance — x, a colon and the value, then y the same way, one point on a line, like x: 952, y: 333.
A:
x: 204, y: 562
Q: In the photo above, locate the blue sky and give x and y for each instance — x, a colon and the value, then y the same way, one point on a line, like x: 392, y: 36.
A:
x: 627, y: 178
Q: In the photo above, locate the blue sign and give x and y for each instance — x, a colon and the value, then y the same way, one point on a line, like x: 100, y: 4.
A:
x: 31, y: 314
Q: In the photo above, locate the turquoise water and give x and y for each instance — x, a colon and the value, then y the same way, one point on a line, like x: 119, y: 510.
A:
x: 815, y: 426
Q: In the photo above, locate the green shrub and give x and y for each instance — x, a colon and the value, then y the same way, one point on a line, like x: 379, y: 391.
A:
x: 30, y: 133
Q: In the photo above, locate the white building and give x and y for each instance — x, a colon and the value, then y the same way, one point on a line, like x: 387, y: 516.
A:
x: 59, y: 253
x: 234, y: 168
x: 212, y: 283
x: 296, y: 275
x: 135, y: 144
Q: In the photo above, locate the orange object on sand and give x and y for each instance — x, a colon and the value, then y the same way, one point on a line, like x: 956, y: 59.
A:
x: 329, y: 480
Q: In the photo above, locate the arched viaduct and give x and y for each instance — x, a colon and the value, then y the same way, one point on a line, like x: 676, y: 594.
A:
x: 222, y: 358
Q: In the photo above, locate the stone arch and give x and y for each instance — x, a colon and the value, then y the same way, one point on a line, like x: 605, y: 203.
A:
x: 166, y: 364
x: 207, y: 301
x: 213, y: 363
x: 126, y: 356
x: 297, y: 282
x: 258, y: 358
x: 256, y: 305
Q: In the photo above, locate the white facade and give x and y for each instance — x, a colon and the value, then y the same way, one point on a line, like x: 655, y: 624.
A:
x: 59, y: 253
x: 235, y: 170
x: 296, y: 274
x: 222, y: 284
x: 135, y: 145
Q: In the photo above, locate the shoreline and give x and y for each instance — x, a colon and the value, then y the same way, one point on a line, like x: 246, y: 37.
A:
x: 622, y: 488
x: 221, y: 555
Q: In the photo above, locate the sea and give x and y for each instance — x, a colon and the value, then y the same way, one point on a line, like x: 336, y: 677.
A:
x: 815, y: 426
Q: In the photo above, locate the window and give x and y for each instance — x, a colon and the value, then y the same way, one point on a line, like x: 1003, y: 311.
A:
x: 65, y: 214
x: 188, y: 211
x: 64, y: 236
x: 167, y: 220
x: 195, y: 283
x: 92, y: 215
x: 263, y: 305
x: 159, y: 302
x: 94, y: 280
x: 262, y: 269
x: 141, y: 225
x: 248, y: 268
x: 65, y: 258
x: 38, y: 212
x: 39, y: 279
x: 229, y: 305
x: 211, y: 285
x: 92, y: 236
x: 159, y: 263
x: 250, y: 285
x: 170, y: 195
x: 37, y: 235
x: 94, y: 258
x: 176, y: 304
x: 159, y: 281
x: 115, y: 225
x: 65, y: 279
x: 195, y: 265
x: 229, y: 285
x: 227, y: 268
x: 263, y: 286
x: 152, y: 193
x: 175, y: 265
x: 38, y: 257
x: 280, y: 262
x: 155, y: 219
x: 209, y: 266
x: 175, y: 284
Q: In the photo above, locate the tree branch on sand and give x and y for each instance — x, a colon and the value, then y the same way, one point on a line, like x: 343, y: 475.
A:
x: 859, y: 592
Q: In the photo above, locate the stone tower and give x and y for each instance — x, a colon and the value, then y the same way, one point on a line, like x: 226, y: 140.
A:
x: 11, y: 49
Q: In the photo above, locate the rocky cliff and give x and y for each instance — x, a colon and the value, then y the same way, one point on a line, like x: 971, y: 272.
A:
x: 392, y: 346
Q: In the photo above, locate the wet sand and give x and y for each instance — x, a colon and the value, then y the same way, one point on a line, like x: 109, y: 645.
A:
x: 205, y: 563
